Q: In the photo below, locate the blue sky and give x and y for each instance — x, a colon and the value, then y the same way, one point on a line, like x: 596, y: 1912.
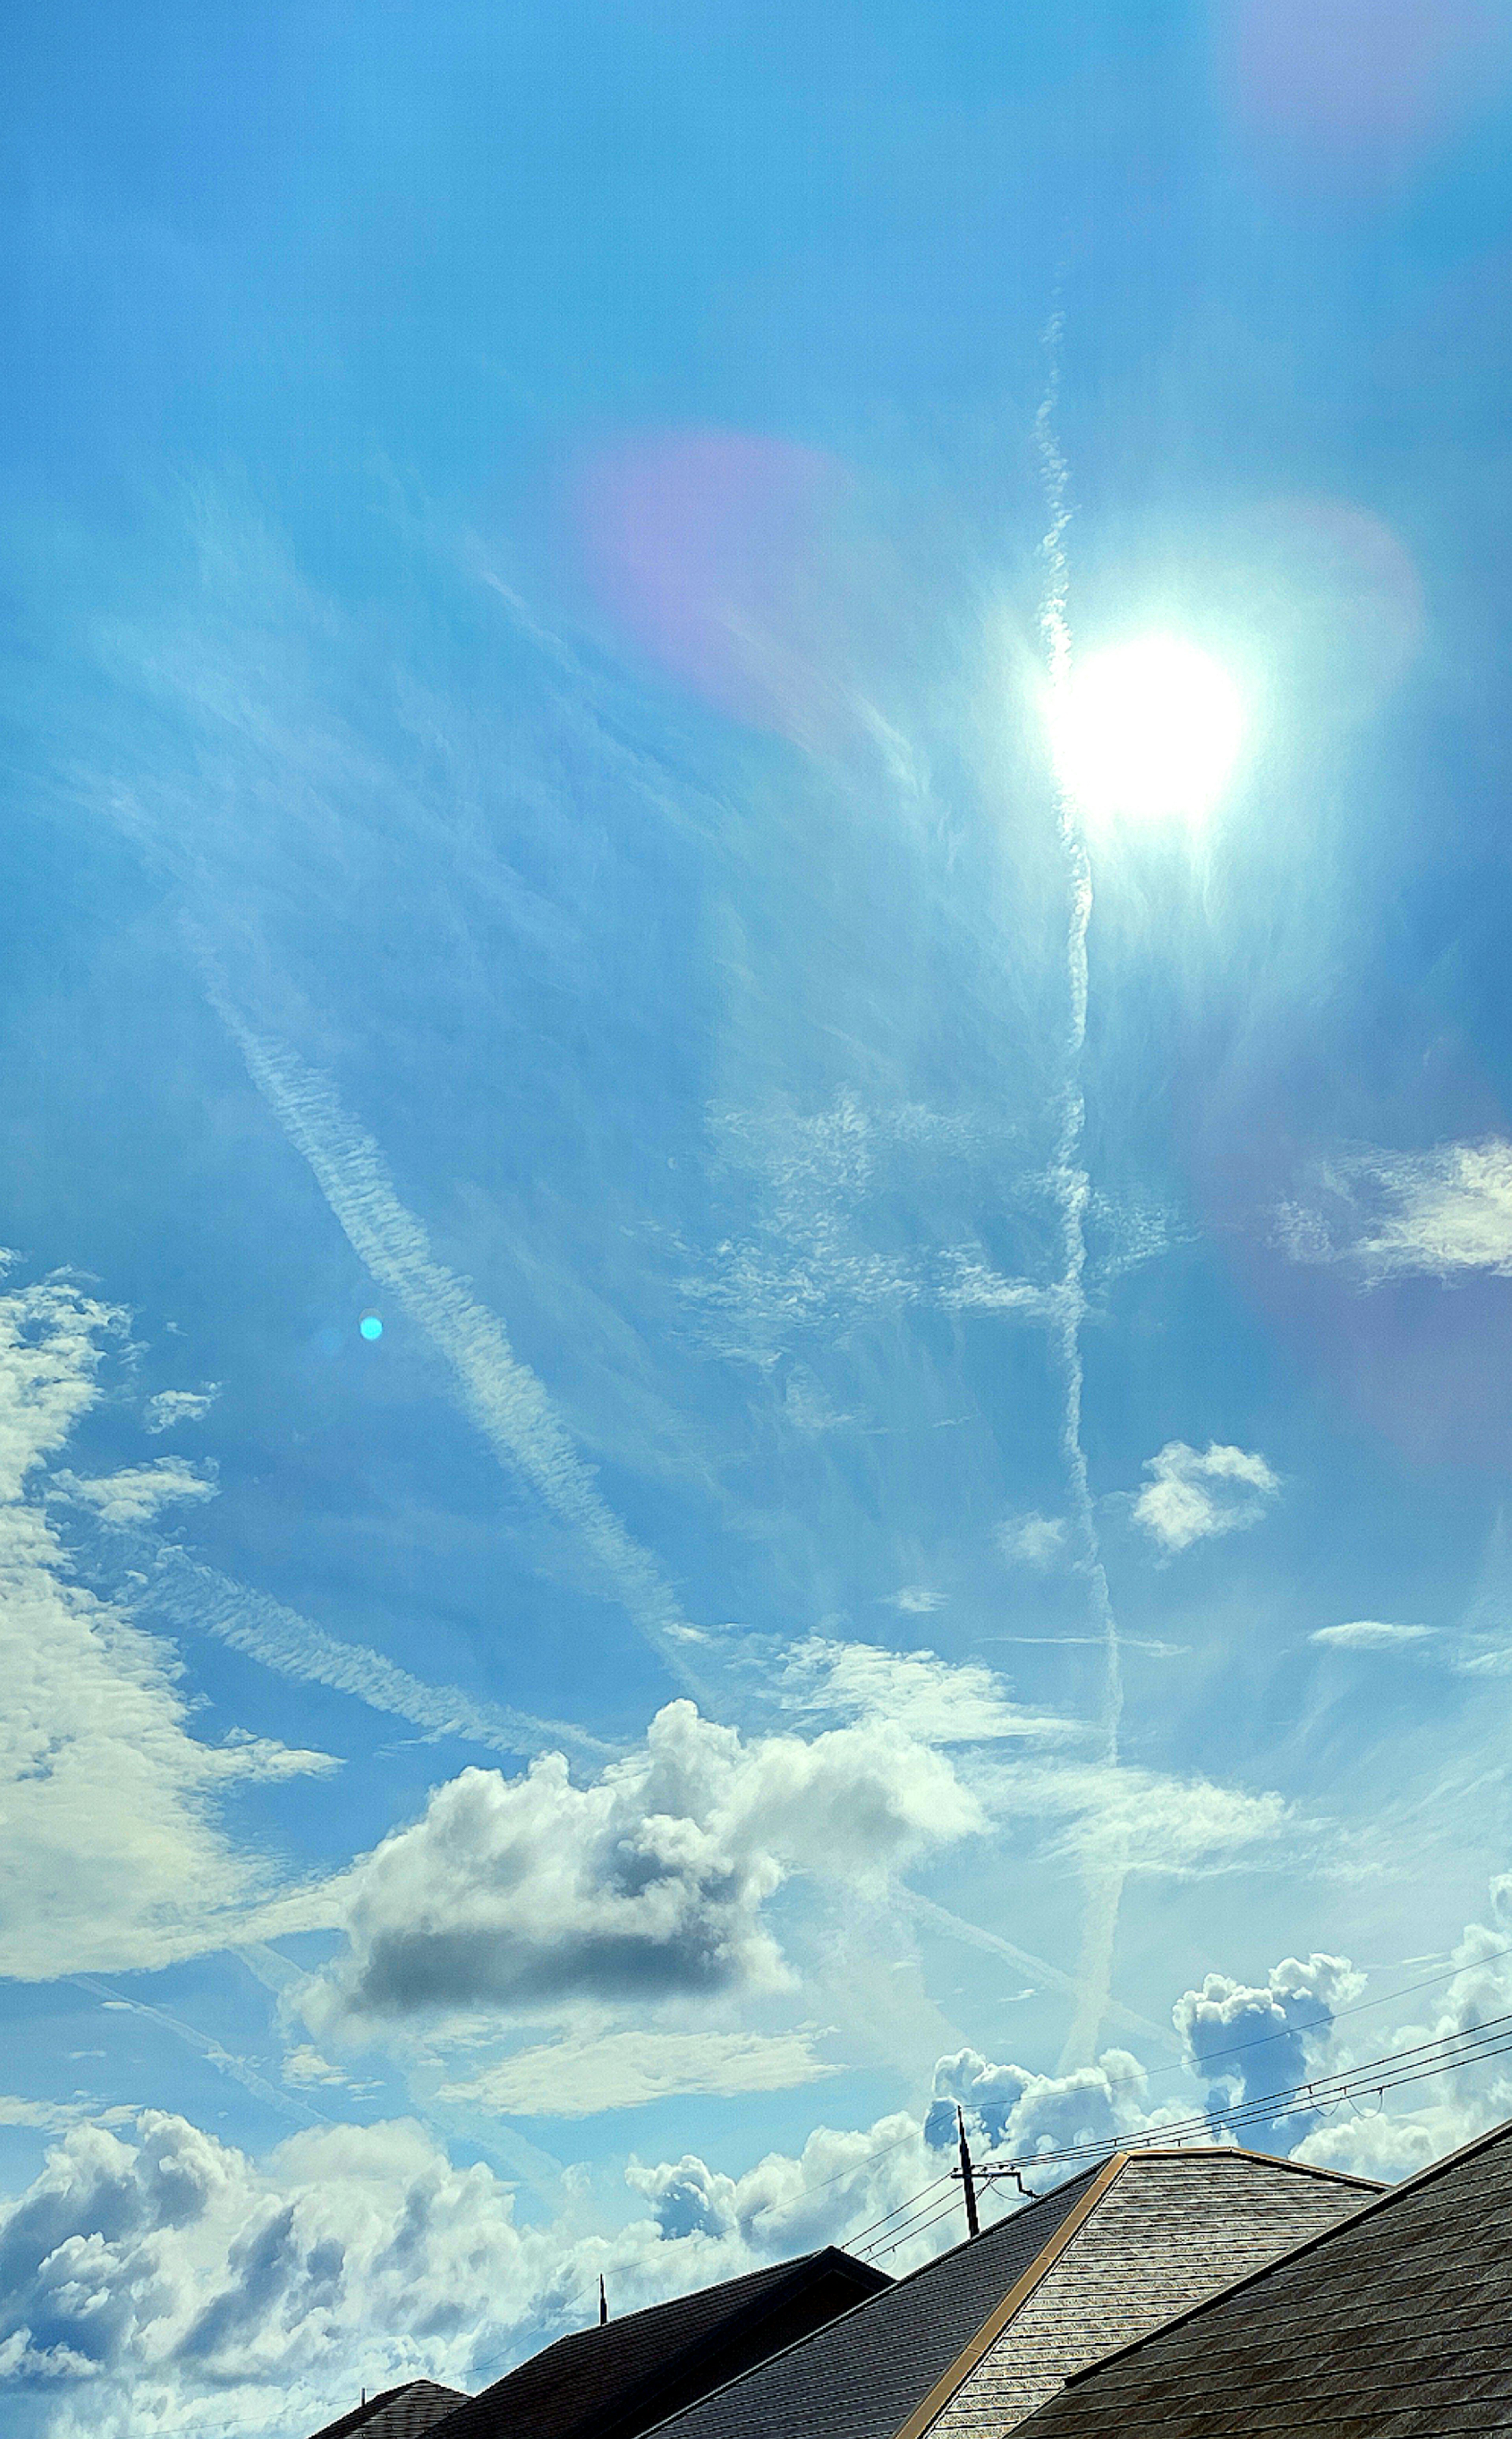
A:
x: 531, y: 816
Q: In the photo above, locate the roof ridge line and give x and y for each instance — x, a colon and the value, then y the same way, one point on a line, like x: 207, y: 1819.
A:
x: 1367, y: 2209
x: 864, y: 2305
x: 1061, y: 2236
x: 1267, y: 2159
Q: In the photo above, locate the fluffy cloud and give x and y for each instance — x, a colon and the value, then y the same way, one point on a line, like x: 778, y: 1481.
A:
x: 156, y: 2279
x: 1392, y: 1215
x: 110, y: 1853
x: 1247, y: 2043
x: 649, y: 1885
x: 580, y: 2076
x: 1368, y: 1634
x: 152, y: 2279
x: 137, y: 1493
x: 1011, y: 2110
x: 171, y: 1407
x: 1191, y: 1496
x: 1405, y: 2131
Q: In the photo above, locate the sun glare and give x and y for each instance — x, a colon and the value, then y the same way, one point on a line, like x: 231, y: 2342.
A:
x: 1148, y: 730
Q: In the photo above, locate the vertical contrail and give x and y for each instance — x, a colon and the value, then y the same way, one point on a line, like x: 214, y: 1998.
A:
x: 1105, y: 1867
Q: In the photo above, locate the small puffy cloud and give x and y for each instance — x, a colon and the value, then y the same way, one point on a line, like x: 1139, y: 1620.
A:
x: 1034, y: 1540
x: 531, y: 1895
x: 1439, y: 1214
x: 938, y: 1701
x: 1192, y: 1495
x: 1019, y: 2112
x: 916, y: 1600
x: 1247, y: 2043
x: 1368, y: 1634
x: 578, y: 2077
x: 170, y: 1407
x: 1449, y: 2108
x: 140, y: 1492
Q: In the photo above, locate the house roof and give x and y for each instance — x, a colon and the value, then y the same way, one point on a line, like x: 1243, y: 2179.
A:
x: 1157, y: 2231
x: 864, y: 2374
x: 1111, y: 2252
x: 1399, y: 2322
x: 618, y: 2380
x: 407, y: 2412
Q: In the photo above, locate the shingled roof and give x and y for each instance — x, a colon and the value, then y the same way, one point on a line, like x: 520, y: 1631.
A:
x: 409, y: 2412
x: 1396, y: 2323
x: 865, y: 2374
x: 968, y: 2346
x: 615, y: 2381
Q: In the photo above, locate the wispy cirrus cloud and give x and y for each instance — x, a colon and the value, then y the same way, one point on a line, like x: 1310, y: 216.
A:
x: 1384, y: 1215
x: 939, y: 1701
x: 1368, y: 1634
x: 140, y: 1492
x: 181, y: 1592
x: 506, y: 1401
x: 110, y: 1853
x: 579, y: 2078
x: 1192, y: 1494
x: 168, y: 1408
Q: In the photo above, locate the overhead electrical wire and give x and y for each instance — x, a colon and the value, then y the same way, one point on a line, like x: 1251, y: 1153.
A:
x: 1116, y: 2083
x: 1392, y: 2071
x: 1312, y: 2024
x: 1321, y: 2092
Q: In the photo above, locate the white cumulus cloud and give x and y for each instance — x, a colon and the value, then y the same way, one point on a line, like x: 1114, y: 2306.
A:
x: 532, y: 1894
x: 1192, y: 1494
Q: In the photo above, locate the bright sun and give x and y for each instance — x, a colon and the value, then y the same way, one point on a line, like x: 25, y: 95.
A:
x: 1149, y: 729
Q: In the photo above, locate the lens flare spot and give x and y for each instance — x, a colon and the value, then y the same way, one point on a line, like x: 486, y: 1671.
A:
x: 1148, y: 730
x: 371, y: 1326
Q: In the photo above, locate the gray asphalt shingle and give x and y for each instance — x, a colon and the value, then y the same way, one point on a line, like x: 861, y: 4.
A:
x: 1398, y: 2323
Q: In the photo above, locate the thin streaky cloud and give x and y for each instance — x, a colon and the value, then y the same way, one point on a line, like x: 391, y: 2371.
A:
x: 1073, y: 1189
x: 184, y: 1593
x: 1368, y: 1634
x: 972, y: 1934
x: 502, y: 1396
x: 223, y: 2060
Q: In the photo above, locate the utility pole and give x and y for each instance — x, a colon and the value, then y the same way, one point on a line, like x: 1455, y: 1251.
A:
x: 603, y: 2301
x: 973, y: 2225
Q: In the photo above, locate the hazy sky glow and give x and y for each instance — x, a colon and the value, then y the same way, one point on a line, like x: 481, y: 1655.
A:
x: 753, y: 1369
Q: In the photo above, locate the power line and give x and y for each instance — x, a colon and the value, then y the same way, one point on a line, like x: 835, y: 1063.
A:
x: 922, y: 2206
x: 878, y: 2252
x: 1313, y: 2023
x: 785, y: 2201
x: 896, y: 2208
x: 1322, y: 2093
